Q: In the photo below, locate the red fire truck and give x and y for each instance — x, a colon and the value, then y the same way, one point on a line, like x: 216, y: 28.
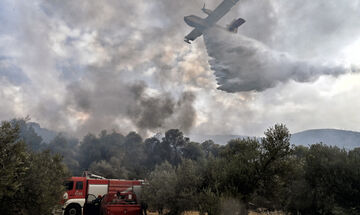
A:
x: 119, y: 204
x: 83, y: 192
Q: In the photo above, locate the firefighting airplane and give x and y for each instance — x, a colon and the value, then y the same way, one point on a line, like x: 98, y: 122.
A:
x: 213, y: 17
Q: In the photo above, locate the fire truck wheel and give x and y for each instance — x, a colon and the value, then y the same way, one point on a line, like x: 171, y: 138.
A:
x: 73, y: 210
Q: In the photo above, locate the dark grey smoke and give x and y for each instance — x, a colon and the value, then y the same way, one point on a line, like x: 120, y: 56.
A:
x: 186, y: 112
x: 244, y: 64
x: 115, y: 91
x: 148, y: 111
x: 161, y: 111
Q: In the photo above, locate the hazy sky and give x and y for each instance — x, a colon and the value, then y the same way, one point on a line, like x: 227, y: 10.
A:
x: 86, y: 65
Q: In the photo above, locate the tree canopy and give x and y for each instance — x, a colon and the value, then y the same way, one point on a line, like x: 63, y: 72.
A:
x: 31, y: 182
x: 182, y: 175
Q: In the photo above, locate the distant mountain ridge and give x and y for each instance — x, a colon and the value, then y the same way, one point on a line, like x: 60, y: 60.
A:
x: 334, y: 137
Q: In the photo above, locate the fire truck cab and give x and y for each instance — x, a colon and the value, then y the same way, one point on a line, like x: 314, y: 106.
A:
x: 85, y: 190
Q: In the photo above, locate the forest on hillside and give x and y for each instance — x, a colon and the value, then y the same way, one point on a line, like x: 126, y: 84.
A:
x: 250, y: 173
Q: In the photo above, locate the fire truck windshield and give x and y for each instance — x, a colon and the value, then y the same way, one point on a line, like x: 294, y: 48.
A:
x: 69, y: 185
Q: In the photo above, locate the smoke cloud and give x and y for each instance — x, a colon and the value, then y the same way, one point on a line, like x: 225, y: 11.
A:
x: 106, y: 67
x: 87, y: 65
x: 244, y: 64
x: 161, y: 111
x: 111, y: 99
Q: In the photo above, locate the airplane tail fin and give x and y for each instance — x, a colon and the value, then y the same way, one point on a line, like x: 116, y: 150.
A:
x: 235, y: 24
x: 207, y: 11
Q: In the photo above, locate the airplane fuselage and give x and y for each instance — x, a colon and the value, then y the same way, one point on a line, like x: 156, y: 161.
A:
x: 200, y: 25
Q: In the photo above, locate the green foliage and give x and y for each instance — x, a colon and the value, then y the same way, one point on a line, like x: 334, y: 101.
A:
x: 210, y: 149
x: 157, y: 152
x: 254, y: 171
x: 68, y: 149
x: 209, y: 202
x: 134, y: 155
x: 183, y: 175
x: 14, y: 166
x: 110, y: 169
x: 176, y: 140
x: 326, y: 181
x: 113, y: 155
x: 332, y: 179
x: 238, y: 167
x: 160, y: 191
x: 192, y: 151
x: 90, y: 150
x: 186, y: 190
x: 27, y: 133
x: 275, y: 167
x: 31, y: 183
x: 174, y: 188
x: 43, y: 183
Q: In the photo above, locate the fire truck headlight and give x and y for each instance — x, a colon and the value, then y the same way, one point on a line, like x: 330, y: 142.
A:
x: 66, y: 196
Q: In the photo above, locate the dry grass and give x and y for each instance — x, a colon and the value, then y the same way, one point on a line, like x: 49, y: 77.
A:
x: 186, y: 213
x: 250, y: 213
x: 267, y: 213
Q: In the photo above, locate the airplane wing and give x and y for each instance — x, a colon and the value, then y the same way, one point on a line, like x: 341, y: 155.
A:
x: 193, y: 35
x: 220, y: 11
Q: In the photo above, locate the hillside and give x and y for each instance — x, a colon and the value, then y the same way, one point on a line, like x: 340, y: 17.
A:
x: 341, y: 138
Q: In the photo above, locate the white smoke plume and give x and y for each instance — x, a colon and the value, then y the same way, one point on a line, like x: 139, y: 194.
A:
x: 244, y: 64
x: 87, y: 65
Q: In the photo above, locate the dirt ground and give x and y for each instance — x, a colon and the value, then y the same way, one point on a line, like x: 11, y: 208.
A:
x: 251, y: 213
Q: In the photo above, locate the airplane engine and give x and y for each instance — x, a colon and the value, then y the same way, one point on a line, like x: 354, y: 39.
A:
x: 235, y: 24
